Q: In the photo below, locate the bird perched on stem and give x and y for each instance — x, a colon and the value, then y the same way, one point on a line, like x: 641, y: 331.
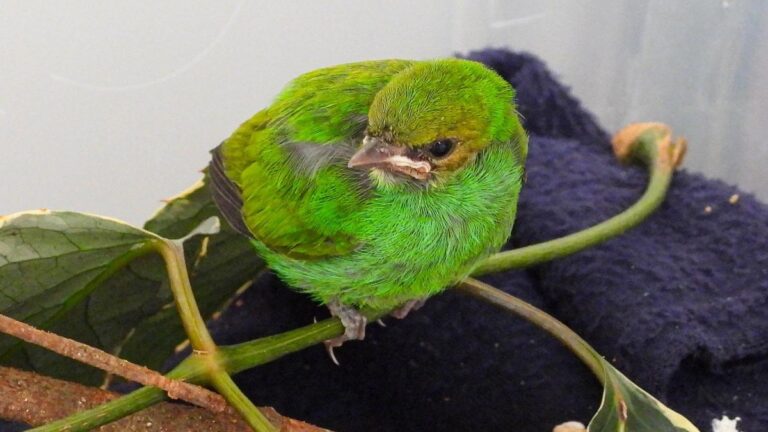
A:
x: 376, y: 184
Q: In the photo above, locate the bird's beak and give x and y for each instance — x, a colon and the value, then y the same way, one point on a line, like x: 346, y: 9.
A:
x: 375, y: 153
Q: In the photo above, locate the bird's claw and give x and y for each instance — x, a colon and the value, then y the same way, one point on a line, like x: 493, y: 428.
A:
x: 354, y: 326
x: 330, y: 344
x: 408, y: 307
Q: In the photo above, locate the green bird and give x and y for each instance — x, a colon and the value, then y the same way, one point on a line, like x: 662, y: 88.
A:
x: 376, y: 184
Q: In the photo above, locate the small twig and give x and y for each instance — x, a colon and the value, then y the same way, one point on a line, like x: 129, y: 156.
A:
x: 107, y: 362
x: 35, y: 399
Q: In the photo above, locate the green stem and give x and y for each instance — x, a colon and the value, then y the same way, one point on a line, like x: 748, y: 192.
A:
x: 192, y: 370
x: 191, y: 319
x: 250, y: 412
x: 106, y: 412
x: 246, y: 355
x: 236, y: 358
x: 538, y: 317
x: 660, y: 172
x: 541, y: 252
x: 201, y: 340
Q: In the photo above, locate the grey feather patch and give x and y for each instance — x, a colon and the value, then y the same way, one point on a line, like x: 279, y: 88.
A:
x: 309, y: 158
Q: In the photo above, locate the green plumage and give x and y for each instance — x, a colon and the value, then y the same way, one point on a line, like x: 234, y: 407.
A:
x: 371, y: 237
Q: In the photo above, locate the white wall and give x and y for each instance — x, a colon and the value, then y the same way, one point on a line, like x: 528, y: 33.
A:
x: 699, y: 65
x: 108, y: 107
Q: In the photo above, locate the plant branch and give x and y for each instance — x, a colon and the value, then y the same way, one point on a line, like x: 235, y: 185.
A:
x: 191, y: 319
x: 622, y: 399
x: 649, y: 143
x: 111, y: 364
x: 539, y: 318
x: 200, y: 338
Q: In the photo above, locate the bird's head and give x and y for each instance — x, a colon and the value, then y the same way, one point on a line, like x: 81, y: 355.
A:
x: 433, y: 119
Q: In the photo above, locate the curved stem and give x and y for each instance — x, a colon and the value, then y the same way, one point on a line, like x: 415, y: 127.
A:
x: 649, y: 143
x: 539, y: 318
x: 236, y: 358
x: 201, y: 340
x: 191, y: 319
x: 527, y: 256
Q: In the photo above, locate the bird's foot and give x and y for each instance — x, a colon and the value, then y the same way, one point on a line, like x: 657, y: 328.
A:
x: 408, y: 307
x: 354, y: 326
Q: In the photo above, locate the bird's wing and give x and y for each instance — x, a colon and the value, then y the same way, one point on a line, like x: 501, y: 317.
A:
x: 282, y: 177
x: 226, y: 194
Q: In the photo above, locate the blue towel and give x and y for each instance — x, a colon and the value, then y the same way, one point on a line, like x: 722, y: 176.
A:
x: 679, y: 304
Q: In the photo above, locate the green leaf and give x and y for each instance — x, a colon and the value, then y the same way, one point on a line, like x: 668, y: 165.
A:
x: 50, y: 265
x: 628, y: 408
x: 97, y: 280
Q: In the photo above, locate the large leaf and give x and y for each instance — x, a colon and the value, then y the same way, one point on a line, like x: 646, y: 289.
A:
x: 96, y: 280
x: 51, y: 263
x: 627, y: 407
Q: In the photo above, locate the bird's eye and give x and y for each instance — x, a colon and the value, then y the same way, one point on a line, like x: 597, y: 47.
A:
x: 440, y: 147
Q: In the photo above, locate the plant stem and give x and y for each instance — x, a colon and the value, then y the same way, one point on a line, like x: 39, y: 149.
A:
x: 649, y: 143
x: 236, y: 358
x: 201, y: 340
x: 232, y: 393
x: 539, y: 318
x: 191, y: 319
x: 239, y: 357
x: 541, y: 252
x: 118, y: 408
